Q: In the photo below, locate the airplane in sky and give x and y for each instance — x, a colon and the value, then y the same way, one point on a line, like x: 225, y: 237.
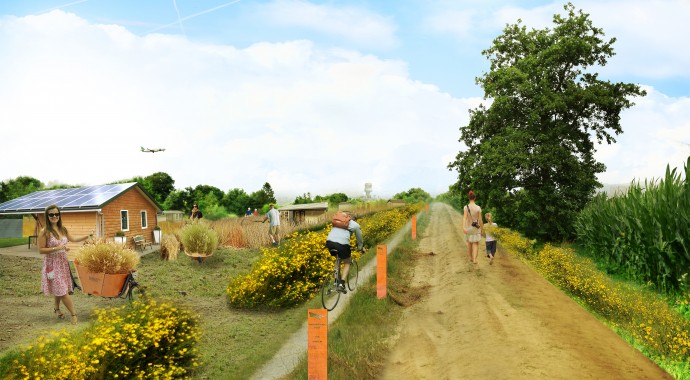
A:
x: 147, y: 150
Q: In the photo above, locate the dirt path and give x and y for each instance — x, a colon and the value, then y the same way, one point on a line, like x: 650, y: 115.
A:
x: 502, y: 321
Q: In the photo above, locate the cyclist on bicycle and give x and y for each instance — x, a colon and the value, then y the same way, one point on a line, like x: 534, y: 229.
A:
x: 338, y: 243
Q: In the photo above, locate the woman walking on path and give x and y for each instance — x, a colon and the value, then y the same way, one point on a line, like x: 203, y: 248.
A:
x: 473, y: 227
x: 55, y: 277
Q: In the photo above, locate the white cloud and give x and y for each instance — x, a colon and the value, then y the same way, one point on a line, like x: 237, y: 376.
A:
x: 78, y: 102
x: 357, y: 25
x: 656, y: 133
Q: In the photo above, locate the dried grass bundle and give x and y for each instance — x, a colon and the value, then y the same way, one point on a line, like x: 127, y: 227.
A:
x: 107, y: 257
x: 170, y: 247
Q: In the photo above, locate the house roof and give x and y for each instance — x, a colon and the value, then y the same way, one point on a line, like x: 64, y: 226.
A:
x: 306, y: 206
x: 74, y: 199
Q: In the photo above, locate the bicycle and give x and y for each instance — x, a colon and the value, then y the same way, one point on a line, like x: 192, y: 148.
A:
x: 330, y: 293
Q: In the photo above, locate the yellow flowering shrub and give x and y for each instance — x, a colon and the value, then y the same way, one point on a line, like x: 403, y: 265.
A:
x: 649, y: 320
x: 293, y: 273
x: 144, y: 340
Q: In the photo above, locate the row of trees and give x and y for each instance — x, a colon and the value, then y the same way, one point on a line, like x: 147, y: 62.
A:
x: 530, y: 153
x: 213, y: 202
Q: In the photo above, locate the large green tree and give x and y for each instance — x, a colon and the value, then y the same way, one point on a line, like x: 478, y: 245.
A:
x: 17, y: 187
x: 264, y: 196
x: 236, y: 201
x: 160, y: 185
x: 530, y: 154
x: 333, y: 199
x: 413, y: 195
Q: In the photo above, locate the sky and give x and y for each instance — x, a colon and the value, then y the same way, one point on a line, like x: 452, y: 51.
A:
x: 312, y: 97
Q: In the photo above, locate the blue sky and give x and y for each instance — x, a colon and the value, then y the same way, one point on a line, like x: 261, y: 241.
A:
x: 310, y: 96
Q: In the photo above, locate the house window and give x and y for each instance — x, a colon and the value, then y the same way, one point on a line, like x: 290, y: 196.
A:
x: 144, y: 223
x: 124, y: 220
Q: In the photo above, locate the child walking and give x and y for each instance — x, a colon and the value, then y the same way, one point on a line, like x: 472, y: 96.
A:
x: 490, y: 240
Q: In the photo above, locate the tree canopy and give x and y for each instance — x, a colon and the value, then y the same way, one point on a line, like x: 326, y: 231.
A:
x: 530, y: 154
x: 413, y: 195
x: 17, y: 187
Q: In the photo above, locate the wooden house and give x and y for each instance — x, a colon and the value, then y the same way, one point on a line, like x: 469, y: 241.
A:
x: 103, y: 209
x: 310, y: 213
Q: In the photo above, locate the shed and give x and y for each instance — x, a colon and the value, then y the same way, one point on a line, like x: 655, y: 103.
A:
x: 104, y: 209
x: 396, y: 203
x: 310, y: 213
x: 171, y: 216
x: 344, y: 206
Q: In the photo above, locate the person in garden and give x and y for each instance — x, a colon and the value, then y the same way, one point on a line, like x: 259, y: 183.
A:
x: 473, y: 226
x: 248, y: 212
x: 256, y: 212
x: 490, y: 240
x: 196, y: 213
x: 273, y: 216
x: 56, y: 278
x: 338, y: 244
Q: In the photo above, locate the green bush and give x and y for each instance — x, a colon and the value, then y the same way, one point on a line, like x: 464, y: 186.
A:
x: 199, y: 238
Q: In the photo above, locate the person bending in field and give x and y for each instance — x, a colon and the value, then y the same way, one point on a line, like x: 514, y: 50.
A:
x: 273, y: 216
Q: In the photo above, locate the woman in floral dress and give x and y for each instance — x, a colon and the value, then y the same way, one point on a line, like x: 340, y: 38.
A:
x: 55, y: 277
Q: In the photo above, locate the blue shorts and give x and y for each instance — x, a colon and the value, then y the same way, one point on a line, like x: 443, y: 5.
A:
x: 491, y: 248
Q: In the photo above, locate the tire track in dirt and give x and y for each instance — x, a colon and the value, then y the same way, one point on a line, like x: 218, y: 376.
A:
x: 500, y: 321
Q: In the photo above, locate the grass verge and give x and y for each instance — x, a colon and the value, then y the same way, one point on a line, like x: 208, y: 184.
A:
x: 12, y: 242
x: 359, y: 341
x: 233, y: 345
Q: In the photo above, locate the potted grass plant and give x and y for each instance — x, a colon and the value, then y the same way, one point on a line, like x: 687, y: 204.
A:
x: 199, y: 241
x: 103, y: 267
x: 157, y: 235
x: 120, y: 237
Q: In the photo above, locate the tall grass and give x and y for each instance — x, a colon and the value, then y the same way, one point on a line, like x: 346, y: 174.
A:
x: 643, y: 234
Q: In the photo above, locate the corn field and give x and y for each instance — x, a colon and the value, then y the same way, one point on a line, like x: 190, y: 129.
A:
x: 644, y: 233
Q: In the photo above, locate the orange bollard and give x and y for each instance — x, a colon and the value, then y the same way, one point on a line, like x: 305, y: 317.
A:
x: 317, y: 346
x: 427, y: 208
x: 381, y: 262
x: 414, y: 227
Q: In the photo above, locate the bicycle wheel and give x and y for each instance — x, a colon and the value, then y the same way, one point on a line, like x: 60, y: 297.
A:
x: 353, y: 275
x: 329, y: 294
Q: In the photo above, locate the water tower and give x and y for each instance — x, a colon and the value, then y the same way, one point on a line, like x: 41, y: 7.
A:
x: 367, y: 190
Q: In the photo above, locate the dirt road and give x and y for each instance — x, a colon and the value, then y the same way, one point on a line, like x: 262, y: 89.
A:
x: 500, y: 321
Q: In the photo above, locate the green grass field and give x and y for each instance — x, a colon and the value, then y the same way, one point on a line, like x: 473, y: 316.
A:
x: 12, y: 242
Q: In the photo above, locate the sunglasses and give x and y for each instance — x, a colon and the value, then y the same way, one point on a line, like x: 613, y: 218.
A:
x: 51, y: 215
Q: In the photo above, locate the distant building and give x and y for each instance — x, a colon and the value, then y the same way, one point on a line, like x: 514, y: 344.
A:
x: 171, y: 216
x: 344, y: 206
x: 310, y: 213
x: 396, y: 203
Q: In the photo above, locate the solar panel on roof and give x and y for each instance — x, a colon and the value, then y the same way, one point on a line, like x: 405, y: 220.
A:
x: 73, y: 198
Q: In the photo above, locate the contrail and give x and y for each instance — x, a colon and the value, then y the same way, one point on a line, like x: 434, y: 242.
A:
x: 178, y: 17
x: 63, y: 6
x: 179, y: 21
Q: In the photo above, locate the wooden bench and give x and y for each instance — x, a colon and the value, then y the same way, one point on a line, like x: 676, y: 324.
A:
x: 141, y: 243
